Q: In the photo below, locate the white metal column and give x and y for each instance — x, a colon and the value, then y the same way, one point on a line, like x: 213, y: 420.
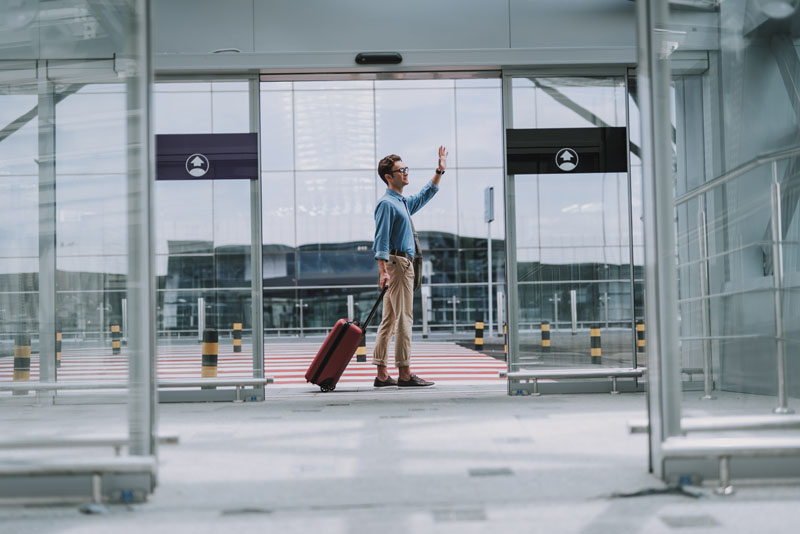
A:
x: 47, y: 226
x: 256, y: 247
x: 142, y: 400
x: 661, y: 304
x: 509, y: 198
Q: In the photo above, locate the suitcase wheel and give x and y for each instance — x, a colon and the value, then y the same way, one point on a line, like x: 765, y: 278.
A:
x: 327, y: 386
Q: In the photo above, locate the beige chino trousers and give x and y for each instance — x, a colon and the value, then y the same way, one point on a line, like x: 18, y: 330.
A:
x: 398, y: 313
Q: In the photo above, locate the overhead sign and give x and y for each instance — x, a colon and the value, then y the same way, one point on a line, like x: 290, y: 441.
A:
x: 207, y: 156
x: 566, y: 150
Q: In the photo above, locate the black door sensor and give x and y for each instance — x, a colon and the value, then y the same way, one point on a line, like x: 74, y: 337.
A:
x: 378, y: 58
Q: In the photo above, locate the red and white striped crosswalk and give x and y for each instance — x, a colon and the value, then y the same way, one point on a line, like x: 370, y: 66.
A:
x: 286, y: 362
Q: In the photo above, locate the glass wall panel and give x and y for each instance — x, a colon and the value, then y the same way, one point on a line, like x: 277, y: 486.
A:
x: 321, y: 142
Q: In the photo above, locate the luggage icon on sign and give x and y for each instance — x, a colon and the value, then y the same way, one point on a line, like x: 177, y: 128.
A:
x: 197, y: 165
x: 567, y: 159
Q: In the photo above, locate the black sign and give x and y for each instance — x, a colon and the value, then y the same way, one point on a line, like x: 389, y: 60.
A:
x: 207, y: 157
x: 566, y: 150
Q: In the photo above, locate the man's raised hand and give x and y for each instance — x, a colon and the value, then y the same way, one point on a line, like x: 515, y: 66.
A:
x: 442, y: 158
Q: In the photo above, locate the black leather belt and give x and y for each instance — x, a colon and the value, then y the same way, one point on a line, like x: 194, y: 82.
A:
x: 401, y: 253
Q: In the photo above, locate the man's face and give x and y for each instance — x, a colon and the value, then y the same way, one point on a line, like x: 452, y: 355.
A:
x: 398, y: 178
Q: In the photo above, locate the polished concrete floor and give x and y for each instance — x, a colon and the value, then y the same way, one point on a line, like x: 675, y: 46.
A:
x: 454, y: 458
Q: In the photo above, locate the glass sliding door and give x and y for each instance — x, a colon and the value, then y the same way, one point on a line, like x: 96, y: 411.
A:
x: 321, y: 141
x: 574, y: 246
x: 204, y: 236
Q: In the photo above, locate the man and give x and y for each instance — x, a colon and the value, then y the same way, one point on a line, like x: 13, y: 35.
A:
x: 395, y: 250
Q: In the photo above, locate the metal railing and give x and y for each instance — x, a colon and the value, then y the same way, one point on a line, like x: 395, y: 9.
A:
x: 776, y: 244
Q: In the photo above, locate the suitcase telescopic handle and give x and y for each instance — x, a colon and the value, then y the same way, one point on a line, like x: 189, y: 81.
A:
x: 365, y: 324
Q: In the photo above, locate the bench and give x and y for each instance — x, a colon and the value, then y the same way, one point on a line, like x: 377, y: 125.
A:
x: 533, y: 376
x: 691, y: 371
x: 145, y: 465
x: 65, y: 443
x: 238, y: 383
x: 723, y: 448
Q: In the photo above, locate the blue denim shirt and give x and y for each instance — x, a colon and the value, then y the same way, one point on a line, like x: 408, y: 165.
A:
x: 393, y: 220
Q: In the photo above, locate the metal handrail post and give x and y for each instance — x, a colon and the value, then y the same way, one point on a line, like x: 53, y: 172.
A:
x: 573, y: 308
x: 425, y: 297
x: 777, y: 280
x: 556, y: 300
x: 455, y: 301
x: 702, y: 238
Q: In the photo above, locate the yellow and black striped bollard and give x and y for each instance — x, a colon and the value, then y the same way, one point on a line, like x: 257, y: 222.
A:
x: 596, y: 349
x: 505, y: 340
x: 58, y: 350
x: 545, y: 336
x: 116, y: 339
x: 361, y: 351
x: 478, y: 335
x: 22, y: 360
x: 210, y: 353
x: 237, y: 337
x: 640, y: 343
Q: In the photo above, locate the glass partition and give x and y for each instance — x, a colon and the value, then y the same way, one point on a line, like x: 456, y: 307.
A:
x: 736, y: 199
x: 722, y: 178
x: 75, y: 252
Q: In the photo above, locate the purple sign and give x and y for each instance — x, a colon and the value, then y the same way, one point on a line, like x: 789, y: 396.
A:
x: 207, y: 156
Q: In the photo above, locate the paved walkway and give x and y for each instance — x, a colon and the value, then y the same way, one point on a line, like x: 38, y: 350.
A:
x: 450, y: 459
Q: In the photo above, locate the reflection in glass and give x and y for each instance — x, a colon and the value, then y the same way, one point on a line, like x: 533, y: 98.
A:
x: 277, y: 135
x: 18, y: 150
x: 335, y: 206
x: 414, y: 123
x: 83, y: 147
x: 90, y: 214
x: 183, y: 214
x: 18, y: 216
x: 477, y: 119
x: 278, y: 210
x: 334, y: 130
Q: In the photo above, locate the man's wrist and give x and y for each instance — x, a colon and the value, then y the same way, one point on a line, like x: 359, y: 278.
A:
x: 440, y: 171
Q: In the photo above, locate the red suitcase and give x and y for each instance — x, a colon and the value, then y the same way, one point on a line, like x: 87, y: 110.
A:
x: 337, y: 350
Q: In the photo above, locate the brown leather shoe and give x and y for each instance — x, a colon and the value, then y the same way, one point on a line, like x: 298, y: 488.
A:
x: 414, y: 382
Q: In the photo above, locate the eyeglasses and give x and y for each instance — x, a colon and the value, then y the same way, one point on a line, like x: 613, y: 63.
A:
x: 404, y: 170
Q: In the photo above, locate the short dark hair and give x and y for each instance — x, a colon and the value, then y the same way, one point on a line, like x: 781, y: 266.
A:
x: 386, y: 164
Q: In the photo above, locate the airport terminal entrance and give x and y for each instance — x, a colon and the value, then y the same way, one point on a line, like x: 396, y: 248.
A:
x: 573, y: 201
